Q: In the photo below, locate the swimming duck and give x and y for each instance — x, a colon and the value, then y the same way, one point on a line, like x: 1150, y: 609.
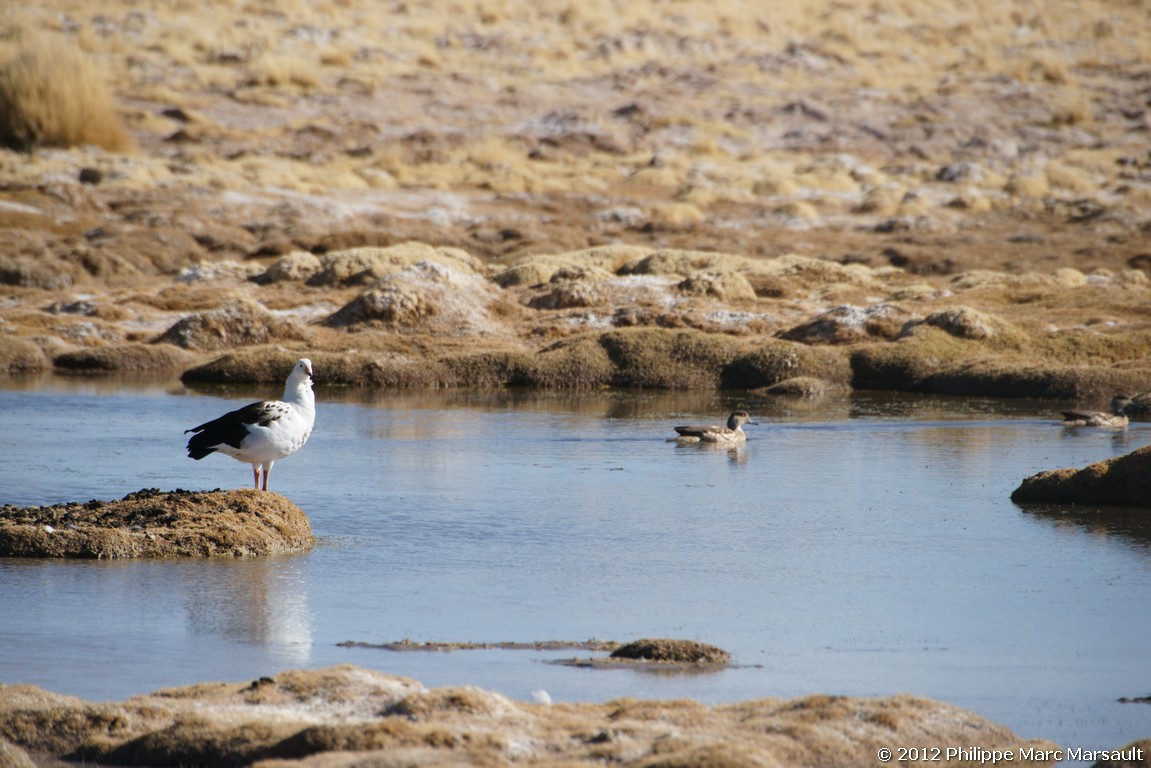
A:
x: 729, y: 435
x: 1117, y: 417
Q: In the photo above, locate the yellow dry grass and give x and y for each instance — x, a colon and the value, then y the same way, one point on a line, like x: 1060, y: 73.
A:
x: 51, y: 95
x: 263, y: 54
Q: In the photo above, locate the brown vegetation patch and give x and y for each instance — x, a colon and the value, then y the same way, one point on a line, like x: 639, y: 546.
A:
x: 190, y: 297
x: 849, y: 324
x: 932, y: 360
x: 540, y: 269
x: 1014, y: 378
x: 123, y: 357
x: 1122, y: 481
x: 804, y: 386
x: 678, y: 651
x: 662, y: 358
x: 12, y: 756
x: 269, y: 365
x: 346, y: 716
x: 682, y: 264
x: 467, y: 700
x: 668, y: 359
x: 193, y: 740
x: 45, y: 722
x: 114, y: 253
x: 391, y: 736
x: 570, y: 287
x: 577, y: 363
x: 47, y: 273
x: 293, y: 267
x: 249, y: 366
x: 486, y: 369
x: 367, y: 265
x: 427, y: 297
x: 776, y: 361
x: 243, y: 325
x: 967, y: 323
x: 151, y: 523
x: 723, y: 284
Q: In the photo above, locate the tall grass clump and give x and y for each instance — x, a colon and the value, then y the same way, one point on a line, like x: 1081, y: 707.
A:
x: 52, y: 96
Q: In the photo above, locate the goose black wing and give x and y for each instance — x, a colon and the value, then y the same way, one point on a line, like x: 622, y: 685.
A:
x: 232, y: 427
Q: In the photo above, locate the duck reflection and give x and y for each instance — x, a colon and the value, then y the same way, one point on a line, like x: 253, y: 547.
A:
x: 737, y: 454
x: 261, y: 601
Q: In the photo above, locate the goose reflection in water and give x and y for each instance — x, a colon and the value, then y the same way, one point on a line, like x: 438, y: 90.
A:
x: 253, y: 601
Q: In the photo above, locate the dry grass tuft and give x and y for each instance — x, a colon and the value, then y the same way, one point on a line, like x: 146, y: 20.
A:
x: 12, y: 756
x: 20, y: 356
x: 51, y: 95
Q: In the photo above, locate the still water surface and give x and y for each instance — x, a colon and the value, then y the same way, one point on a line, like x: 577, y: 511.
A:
x: 860, y: 546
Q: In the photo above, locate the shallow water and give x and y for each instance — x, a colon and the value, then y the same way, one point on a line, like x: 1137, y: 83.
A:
x: 859, y: 546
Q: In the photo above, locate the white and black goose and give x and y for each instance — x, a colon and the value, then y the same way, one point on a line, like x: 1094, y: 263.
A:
x: 262, y: 433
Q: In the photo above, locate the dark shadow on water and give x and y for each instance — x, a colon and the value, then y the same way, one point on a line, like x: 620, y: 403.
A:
x: 1129, y: 523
